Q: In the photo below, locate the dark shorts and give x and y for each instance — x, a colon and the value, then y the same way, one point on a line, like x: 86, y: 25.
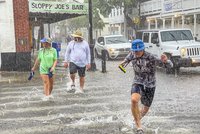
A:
x: 147, y: 94
x: 73, y: 68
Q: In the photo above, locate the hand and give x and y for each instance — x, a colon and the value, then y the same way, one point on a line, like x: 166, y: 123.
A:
x: 164, y: 58
x: 123, y: 63
x: 66, y: 64
x: 88, y: 66
x: 52, y: 69
x: 33, y: 69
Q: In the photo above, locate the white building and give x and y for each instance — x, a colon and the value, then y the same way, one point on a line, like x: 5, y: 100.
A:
x: 7, y: 34
x: 116, y: 21
x: 162, y: 14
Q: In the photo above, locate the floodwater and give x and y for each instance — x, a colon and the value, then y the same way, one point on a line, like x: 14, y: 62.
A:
x: 104, y: 108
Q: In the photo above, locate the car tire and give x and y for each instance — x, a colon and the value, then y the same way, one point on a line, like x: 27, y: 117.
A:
x: 175, y: 70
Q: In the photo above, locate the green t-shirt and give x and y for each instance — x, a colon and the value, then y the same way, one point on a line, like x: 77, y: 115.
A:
x: 47, y: 56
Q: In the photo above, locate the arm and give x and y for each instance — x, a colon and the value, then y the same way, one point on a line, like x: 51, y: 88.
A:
x: 164, y: 62
x: 88, y: 56
x: 127, y: 60
x: 35, y: 64
x: 54, y: 65
x: 67, y: 56
x: 55, y: 61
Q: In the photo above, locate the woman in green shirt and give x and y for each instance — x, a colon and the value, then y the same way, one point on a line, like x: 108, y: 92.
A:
x: 47, y: 57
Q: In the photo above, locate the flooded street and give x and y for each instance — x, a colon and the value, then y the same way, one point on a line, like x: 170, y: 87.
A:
x: 104, y: 108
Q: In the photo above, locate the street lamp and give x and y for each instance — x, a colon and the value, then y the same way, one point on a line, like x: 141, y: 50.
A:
x: 93, y: 65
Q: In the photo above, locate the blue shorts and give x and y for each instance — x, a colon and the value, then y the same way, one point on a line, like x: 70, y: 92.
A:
x: 147, y: 94
x: 73, y: 68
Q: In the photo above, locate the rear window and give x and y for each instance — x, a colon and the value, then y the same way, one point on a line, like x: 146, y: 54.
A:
x: 116, y: 40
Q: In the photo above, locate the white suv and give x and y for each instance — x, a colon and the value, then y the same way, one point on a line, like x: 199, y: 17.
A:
x: 115, y: 46
x: 178, y: 44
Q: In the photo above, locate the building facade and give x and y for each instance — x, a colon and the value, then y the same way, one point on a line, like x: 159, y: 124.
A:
x: 15, y: 51
x: 118, y: 24
x: 18, y: 20
x: 162, y: 14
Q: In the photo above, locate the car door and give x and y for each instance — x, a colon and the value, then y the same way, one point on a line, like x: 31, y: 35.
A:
x: 154, y: 43
x: 146, y: 40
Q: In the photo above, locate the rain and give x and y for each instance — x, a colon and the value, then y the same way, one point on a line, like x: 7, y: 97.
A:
x: 105, y: 105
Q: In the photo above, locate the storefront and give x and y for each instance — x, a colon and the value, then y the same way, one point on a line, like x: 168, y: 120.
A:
x: 17, y: 21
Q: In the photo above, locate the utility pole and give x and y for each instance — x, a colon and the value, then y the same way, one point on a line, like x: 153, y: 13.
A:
x: 91, y: 42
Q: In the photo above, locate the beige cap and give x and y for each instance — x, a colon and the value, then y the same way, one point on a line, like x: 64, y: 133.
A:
x: 77, y: 33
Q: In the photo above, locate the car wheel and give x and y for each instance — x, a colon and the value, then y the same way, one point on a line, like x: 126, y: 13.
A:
x: 175, y: 70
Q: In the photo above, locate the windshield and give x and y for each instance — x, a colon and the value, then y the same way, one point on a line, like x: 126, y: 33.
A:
x: 116, y: 40
x: 176, y: 35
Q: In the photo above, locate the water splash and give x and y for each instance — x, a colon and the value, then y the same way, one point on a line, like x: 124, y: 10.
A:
x: 2, y: 110
x: 156, y: 130
x: 29, y: 95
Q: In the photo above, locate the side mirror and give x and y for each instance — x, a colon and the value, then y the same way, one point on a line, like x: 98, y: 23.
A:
x: 130, y: 41
x: 102, y: 43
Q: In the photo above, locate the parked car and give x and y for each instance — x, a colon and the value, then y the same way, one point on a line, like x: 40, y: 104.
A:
x: 178, y: 44
x: 115, y: 45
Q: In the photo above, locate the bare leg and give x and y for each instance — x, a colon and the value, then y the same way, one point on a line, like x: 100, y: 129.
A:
x: 143, y: 111
x: 82, y: 82
x: 72, y: 76
x: 51, y: 80
x: 46, y: 83
x: 135, y: 98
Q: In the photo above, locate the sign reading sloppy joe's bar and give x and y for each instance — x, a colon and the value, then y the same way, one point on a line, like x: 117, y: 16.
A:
x: 57, y: 7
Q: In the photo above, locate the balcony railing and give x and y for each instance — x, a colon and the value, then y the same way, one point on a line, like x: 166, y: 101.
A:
x: 168, y: 6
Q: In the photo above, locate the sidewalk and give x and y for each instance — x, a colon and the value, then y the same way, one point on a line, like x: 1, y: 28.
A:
x: 9, y: 77
x: 14, y: 76
x: 22, y: 77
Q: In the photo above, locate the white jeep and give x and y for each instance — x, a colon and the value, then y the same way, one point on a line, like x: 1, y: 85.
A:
x: 178, y: 44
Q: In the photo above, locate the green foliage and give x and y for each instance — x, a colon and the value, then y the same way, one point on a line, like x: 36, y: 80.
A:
x: 78, y: 22
x: 98, y: 23
x: 122, y: 3
x: 104, y: 7
x: 128, y: 5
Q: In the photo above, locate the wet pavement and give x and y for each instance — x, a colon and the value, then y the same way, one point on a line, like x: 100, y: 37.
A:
x: 104, y: 108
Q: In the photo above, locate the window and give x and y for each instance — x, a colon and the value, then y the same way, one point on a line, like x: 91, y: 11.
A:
x: 176, y: 35
x: 154, y: 37
x: 116, y: 40
x: 146, y: 38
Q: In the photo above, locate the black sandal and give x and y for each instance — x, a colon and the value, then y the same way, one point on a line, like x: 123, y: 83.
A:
x: 72, y: 86
x: 139, y: 131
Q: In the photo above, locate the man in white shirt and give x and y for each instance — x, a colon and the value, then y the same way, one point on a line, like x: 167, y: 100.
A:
x: 77, y: 58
